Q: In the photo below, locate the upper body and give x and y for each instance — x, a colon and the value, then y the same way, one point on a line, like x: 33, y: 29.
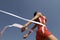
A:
x: 36, y: 15
x: 42, y: 19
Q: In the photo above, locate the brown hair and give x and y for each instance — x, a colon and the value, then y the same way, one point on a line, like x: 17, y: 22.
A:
x: 35, y: 13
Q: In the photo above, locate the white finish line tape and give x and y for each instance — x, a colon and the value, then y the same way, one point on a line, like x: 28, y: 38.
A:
x: 20, y: 17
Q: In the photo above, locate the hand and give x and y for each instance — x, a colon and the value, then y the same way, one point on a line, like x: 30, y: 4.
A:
x: 23, y: 29
x: 25, y: 36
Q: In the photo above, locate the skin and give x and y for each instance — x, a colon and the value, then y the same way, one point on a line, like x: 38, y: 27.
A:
x: 39, y: 14
x: 28, y: 23
x: 50, y: 37
x: 28, y: 33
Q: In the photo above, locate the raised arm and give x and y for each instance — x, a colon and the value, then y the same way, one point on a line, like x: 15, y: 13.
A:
x: 28, y: 23
x: 28, y: 33
x: 34, y: 18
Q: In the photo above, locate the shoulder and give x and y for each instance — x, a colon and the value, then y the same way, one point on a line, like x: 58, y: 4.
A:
x: 44, y: 17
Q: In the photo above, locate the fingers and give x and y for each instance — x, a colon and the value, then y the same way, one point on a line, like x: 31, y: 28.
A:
x: 25, y: 36
x: 23, y: 29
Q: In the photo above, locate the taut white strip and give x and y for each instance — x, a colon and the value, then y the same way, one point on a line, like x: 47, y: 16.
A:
x: 20, y: 17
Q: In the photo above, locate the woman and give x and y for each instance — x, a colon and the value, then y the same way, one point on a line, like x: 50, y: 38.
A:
x: 42, y: 32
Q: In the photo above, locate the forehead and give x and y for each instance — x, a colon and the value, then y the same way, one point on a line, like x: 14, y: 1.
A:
x: 39, y: 13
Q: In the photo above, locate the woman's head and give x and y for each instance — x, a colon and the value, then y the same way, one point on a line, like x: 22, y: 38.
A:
x: 39, y: 13
x: 35, y: 13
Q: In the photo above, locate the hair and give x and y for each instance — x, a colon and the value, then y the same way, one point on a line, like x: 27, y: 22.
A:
x: 35, y: 13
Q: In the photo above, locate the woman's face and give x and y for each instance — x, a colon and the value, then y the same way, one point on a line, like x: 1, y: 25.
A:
x: 39, y: 13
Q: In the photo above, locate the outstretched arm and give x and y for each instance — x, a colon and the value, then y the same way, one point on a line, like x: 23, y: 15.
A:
x: 28, y: 23
x: 27, y: 34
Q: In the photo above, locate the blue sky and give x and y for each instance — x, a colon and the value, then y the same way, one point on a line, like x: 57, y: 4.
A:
x: 26, y: 8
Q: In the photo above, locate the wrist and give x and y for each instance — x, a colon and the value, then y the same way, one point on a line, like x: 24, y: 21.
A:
x: 30, y: 31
